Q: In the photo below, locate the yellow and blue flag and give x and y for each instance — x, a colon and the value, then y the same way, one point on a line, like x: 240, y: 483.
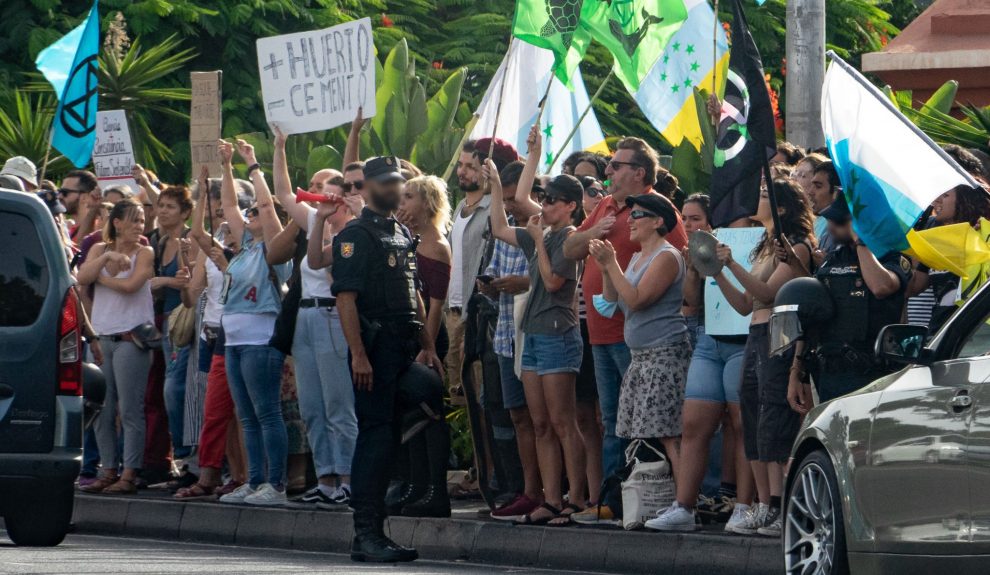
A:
x: 666, y: 95
x: 70, y: 66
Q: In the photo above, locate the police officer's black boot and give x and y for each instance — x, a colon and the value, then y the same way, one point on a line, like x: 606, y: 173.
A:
x: 370, y: 544
x: 436, y: 501
x: 410, y: 493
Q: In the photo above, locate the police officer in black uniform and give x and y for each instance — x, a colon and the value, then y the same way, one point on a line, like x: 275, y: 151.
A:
x: 868, y: 294
x: 374, y: 279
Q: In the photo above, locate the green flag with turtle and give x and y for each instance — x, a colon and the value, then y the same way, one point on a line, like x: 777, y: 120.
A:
x: 636, y: 32
x: 556, y: 26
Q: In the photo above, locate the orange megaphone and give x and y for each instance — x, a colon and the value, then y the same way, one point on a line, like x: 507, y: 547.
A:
x: 304, y: 196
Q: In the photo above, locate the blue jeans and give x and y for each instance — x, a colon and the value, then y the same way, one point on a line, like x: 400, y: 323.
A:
x: 716, y: 370
x: 254, y: 373
x: 326, y: 395
x: 611, y: 363
x: 91, y: 454
x: 176, y: 362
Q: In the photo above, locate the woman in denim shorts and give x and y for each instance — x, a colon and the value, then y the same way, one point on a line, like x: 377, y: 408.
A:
x: 552, y: 340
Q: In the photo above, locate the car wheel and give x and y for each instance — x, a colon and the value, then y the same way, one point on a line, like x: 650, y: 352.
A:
x: 814, y: 533
x: 41, y: 523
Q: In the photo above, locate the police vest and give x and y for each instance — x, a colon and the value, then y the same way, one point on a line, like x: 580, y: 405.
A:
x: 390, y: 292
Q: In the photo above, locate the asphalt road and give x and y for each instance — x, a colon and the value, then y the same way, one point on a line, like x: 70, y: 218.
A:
x: 87, y: 554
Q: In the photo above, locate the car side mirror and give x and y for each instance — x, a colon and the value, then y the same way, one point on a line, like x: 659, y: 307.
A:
x: 902, y: 344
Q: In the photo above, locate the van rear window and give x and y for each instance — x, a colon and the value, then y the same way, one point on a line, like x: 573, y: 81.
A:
x: 23, y: 271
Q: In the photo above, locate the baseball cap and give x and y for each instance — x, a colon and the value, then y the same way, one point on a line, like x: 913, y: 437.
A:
x: 383, y: 169
x: 21, y: 167
x: 838, y: 212
x: 656, y: 204
x: 51, y: 200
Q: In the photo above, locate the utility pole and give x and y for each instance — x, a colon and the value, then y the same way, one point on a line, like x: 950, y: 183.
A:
x: 805, y: 72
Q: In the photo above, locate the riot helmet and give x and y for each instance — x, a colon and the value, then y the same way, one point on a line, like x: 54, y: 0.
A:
x: 801, y: 304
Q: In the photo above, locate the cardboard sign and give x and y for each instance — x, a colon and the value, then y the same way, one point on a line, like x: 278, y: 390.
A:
x: 205, y: 120
x: 317, y: 80
x: 720, y: 317
x: 113, y: 155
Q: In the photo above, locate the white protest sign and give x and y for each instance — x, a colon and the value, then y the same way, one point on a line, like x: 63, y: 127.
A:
x: 204, y: 120
x: 720, y: 317
x: 113, y: 155
x: 317, y: 80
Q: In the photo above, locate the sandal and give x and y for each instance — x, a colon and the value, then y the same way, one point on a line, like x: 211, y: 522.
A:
x: 196, y: 491
x: 564, y: 519
x: 100, y: 484
x: 528, y: 518
x: 122, y: 487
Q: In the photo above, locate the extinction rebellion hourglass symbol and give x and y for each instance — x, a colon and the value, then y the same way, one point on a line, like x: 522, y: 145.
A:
x: 77, y: 116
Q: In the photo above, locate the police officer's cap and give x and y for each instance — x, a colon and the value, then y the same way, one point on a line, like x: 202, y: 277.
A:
x: 838, y: 212
x: 658, y: 205
x: 383, y: 169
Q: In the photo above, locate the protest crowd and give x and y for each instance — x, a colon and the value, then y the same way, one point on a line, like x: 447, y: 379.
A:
x: 304, y: 345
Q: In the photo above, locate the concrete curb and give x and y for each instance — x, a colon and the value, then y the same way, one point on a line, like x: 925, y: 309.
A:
x: 475, y: 541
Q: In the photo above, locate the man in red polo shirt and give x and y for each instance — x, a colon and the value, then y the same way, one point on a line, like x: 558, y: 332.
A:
x: 633, y: 171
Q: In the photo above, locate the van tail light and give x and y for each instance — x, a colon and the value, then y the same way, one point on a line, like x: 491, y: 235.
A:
x: 69, y: 347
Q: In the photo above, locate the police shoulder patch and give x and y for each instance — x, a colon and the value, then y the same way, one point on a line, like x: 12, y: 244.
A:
x: 346, y: 249
x: 905, y: 264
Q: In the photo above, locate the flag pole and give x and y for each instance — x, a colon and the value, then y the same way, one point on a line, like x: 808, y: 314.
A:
x: 577, y: 124
x: 715, y: 58
x: 48, y: 151
x: 460, y: 146
x: 501, y: 92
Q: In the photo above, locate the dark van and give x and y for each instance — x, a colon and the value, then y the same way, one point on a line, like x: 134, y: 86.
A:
x: 41, y: 388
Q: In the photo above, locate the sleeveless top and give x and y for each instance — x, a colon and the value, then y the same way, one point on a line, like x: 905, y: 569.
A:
x: 115, y: 312
x: 214, y: 286
x: 762, y: 269
x: 248, y: 285
x: 661, y: 323
x: 315, y: 283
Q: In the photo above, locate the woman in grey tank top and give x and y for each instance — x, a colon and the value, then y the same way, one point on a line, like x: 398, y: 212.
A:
x: 649, y: 293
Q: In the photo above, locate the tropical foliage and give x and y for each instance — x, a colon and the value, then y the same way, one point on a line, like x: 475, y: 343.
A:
x: 934, y: 118
x: 444, y: 39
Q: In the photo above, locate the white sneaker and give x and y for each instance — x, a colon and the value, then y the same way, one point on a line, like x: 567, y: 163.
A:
x: 753, y: 520
x: 266, y: 495
x: 238, y: 495
x: 739, y: 513
x: 674, y: 518
x: 772, y: 525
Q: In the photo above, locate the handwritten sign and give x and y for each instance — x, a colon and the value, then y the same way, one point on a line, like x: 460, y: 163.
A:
x: 317, y: 80
x: 113, y: 155
x: 205, y: 120
x: 720, y: 318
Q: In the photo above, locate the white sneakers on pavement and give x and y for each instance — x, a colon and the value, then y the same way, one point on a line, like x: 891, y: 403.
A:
x: 674, y: 518
x: 752, y: 519
x: 266, y: 496
x: 238, y: 495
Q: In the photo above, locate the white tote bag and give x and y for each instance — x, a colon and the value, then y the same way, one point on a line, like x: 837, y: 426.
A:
x: 650, y: 487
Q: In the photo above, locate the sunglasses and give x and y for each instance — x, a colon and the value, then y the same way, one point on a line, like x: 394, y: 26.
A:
x: 640, y: 214
x: 550, y: 200
x: 347, y: 187
x: 616, y: 165
x: 67, y: 191
x: 595, y: 192
x: 251, y: 213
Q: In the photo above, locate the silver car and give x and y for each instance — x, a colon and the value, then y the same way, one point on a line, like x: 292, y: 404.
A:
x: 895, y: 478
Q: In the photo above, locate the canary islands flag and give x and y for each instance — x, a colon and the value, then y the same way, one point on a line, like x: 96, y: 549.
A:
x: 70, y: 66
x: 890, y: 170
x: 526, y: 71
x: 666, y: 95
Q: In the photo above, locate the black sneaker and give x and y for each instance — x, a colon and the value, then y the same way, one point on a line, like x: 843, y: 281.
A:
x: 341, y: 497
x: 314, y: 496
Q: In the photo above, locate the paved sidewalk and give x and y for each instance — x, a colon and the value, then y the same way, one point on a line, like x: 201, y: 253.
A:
x: 464, y: 537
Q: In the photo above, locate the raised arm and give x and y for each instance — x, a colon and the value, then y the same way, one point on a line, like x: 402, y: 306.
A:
x: 500, y: 223
x: 197, y: 283
x: 352, y: 151
x: 319, y: 255
x: 551, y: 281
x: 881, y: 281
x: 270, y: 224
x: 524, y: 189
x: 197, y: 232
x: 228, y: 194
x: 767, y: 291
x: 283, y: 185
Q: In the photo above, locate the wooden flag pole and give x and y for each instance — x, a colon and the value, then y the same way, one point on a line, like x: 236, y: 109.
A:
x: 48, y: 151
x: 577, y: 124
x: 543, y: 101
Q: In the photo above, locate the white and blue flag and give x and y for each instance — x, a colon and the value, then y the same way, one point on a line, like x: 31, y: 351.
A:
x: 890, y: 170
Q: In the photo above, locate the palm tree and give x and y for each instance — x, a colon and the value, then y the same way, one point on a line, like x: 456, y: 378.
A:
x: 25, y: 123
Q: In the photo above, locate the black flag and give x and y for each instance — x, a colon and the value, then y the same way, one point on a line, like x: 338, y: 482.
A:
x: 746, y: 136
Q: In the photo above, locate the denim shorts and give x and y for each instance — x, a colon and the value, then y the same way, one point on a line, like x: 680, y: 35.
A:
x: 548, y: 354
x: 716, y: 370
x: 513, y: 393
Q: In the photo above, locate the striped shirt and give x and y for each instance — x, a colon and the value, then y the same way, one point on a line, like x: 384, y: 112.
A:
x: 507, y: 260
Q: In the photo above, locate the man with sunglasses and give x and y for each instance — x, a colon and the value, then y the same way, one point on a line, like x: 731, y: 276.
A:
x: 75, y: 185
x: 631, y: 172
